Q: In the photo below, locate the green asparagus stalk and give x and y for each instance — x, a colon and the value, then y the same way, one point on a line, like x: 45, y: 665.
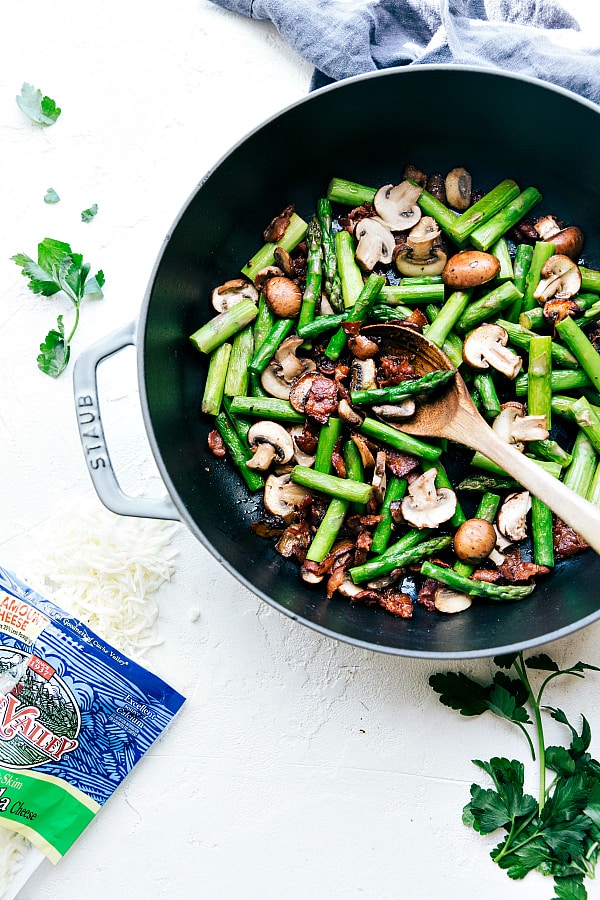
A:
x: 265, y: 319
x: 358, y: 313
x: 238, y: 374
x: 486, y: 589
x: 266, y: 408
x: 520, y: 337
x: 580, y: 473
x: 550, y: 451
x: 413, y: 291
x: 539, y: 386
x: 412, y: 387
x: 582, y: 347
x: 448, y: 316
x: 593, y: 494
x: 264, y: 354
x: 325, y: 217
x: 560, y: 380
x: 376, y: 568
x: 382, y: 312
x: 395, y: 491
x: 487, y: 234
x: 452, y: 347
x: 223, y: 326
x: 590, y: 279
x: 312, y: 289
x: 487, y: 307
x: 320, y: 325
x: 488, y: 483
x: 500, y: 250
x: 484, y: 383
x: 354, y: 468
x: 522, y: 263
x: 332, y: 485
x: 241, y: 425
x: 239, y: 452
x: 329, y: 435
x: 350, y: 274
x: 349, y: 193
x: 541, y: 533
x: 294, y: 234
x: 328, y: 529
x: 215, y: 380
x: 483, y: 210
x: 406, y: 443
x: 588, y: 420
x: 542, y: 252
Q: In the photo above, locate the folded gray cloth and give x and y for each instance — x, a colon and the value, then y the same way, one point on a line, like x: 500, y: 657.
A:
x: 341, y: 38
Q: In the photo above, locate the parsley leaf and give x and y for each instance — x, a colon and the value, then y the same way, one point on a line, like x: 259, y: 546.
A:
x: 59, y: 269
x: 458, y: 691
x: 51, y: 196
x: 88, y: 214
x: 41, y: 110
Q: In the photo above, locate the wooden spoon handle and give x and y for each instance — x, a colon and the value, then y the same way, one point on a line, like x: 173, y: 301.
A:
x: 581, y: 515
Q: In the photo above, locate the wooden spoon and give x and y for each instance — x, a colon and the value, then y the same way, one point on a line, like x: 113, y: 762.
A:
x: 450, y: 413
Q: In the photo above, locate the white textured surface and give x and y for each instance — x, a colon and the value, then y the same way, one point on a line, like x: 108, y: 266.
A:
x: 299, y: 768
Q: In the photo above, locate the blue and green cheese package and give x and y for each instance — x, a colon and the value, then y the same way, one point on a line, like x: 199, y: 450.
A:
x: 75, y: 716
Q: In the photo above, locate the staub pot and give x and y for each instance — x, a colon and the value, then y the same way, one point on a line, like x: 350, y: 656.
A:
x: 364, y: 129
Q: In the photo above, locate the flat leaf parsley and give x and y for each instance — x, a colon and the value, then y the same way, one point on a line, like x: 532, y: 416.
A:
x: 41, y: 110
x: 557, y: 833
x: 59, y: 269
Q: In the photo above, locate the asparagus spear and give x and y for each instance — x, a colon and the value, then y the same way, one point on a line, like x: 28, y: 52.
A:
x: 324, y: 215
x: 448, y: 316
x: 329, y: 435
x: 520, y: 337
x: 485, y: 235
x: 238, y: 452
x: 522, y: 264
x: 312, y: 289
x: 542, y: 252
x: 350, y: 274
x: 383, y: 565
x: 358, y: 313
x: 349, y: 193
x: 321, y: 324
x: 266, y: 408
x: 484, y: 383
x: 412, y: 387
x: 539, y: 386
x: 588, y: 420
x: 414, y: 291
x: 579, y: 474
x: 328, y: 529
x: 487, y: 306
x: 487, y: 509
x: 483, y: 210
x: 224, y: 325
x: 582, y: 347
x: 275, y: 337
x: 396, y: 489
x: 501, y: 251
x: 475, y: 588
x: 590, y: 279
x: 560, y: 380
x: 215, y: 380
x: 406, y: 443
x: 354, y: 468
x: 238, y: 374
x: 331, y: 484
x: 294, y: 233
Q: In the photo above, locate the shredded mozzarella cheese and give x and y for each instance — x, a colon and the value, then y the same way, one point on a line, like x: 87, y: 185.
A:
x: 105, y: 570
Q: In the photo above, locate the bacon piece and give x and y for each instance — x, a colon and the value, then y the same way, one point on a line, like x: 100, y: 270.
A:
x: 295, y: 541
x: 566, y: 541
x: 321, y: 401
x: 400, y: 464
x: 216, y: 444
x: 514, y: 569
x: 426, y: 596
x: 278, y: 226
x: 393, y: 370
x: 397, y: 603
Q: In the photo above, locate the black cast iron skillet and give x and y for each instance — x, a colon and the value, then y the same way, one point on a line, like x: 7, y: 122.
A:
x: 364, y: 129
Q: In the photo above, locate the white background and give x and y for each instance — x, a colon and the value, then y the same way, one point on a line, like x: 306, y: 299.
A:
x: 299, y: 767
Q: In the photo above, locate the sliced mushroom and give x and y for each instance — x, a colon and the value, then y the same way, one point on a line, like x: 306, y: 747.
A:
x: 349, y: 414
x: 302, y: 458
x: 561, y: 278
x: 421, y: 257
x: 514, y: 427
x: 426, y: 506
x: 284, y: 368
x: 486, y: 346
x: 363, y: 375
x: 232, y: 292
x: 363, y: 448
x: 348, y: 589
x: 447, y: 600
x: 282, y: 497
x: 470, y: 268
x: 301, y: 388
x: 568, y: 241
x: 283, y: 296
x: 269, y: 441
x: 474, y: 540
x: 284, y: 261
x: 512, y: 517
x: 395, y: 410
x: 458, y: 188
x: 375, y: 244
x: 379, y: 480
x: 396, y: 205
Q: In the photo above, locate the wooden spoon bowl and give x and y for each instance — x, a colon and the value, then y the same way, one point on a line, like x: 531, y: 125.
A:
x: 450, y: 413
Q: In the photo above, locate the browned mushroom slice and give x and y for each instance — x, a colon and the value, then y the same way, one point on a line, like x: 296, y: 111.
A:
x: 420, y: 256
x: 458, y: 188
x: 285, y: 366
x: 282, y: 497
x: 269, y: 442
x: 375, y: 244
x: 426, y: 506
x: 486, y: 346
x: 560, y: 278
x: 363, y: 374
x: 512, y: 517
x: 470, y: 268
x: 514, y: 427
x: 396, y: 205
x: 349, y: 414
x: 568, y: 241
x: 234, y: 291
x: 449, y: 601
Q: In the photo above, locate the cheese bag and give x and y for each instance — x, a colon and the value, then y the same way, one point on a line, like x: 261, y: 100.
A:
x: 75, y: 716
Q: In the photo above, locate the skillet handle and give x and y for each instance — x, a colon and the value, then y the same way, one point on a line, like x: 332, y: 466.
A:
x: 91, y: 432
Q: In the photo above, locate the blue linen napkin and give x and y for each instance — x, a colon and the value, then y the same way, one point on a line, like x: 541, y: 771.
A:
x: 342, y: 38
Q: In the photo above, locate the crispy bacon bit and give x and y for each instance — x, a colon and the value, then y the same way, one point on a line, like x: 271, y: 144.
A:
x: 307, y: 441
x: 426, y: 596
x: 361, y: 347
x: 216, y: 444
x: 397, y: 603
x: 357, y: 524
x: 488, y: 575
x: 355, y: 215
x: 393, y: 370
x: 400, y: 464
x: 295, y: 541
x: 514, y: 569
x: 278, y: 226
x: 337, y: 462
x: 268, y: 528
x: 322, y: 399
x: 566, y: 541
x: 335, y: 580
x: 557, y: 309
x: 417, y: 319
x: 340, y: 374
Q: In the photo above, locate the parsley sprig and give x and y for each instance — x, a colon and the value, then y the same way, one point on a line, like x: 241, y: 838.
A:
x: 557, y: 834
x: 40, y: 109
x: 59, y: 269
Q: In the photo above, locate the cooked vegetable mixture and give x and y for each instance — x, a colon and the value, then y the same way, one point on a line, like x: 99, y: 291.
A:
x: 309, y: 405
